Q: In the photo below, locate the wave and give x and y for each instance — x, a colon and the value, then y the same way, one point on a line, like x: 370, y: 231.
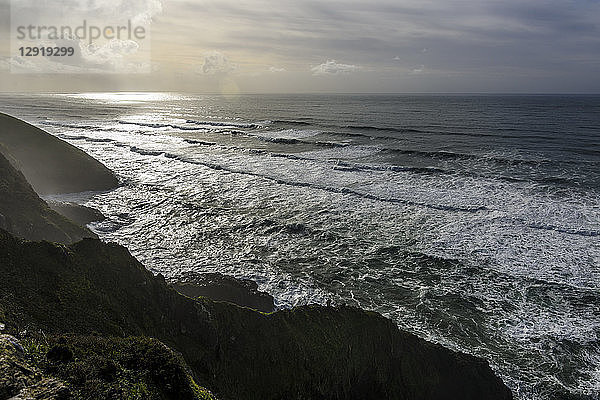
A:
x: 199, y: 142
x: 291, y: 122
x: 345, y: 166
x: 569, y: 231
x: 347, y: 191
x: 444, y: 154
x: 95, y: 128
x: 299, y: 141
x: 551, y: 227
x: 226, y: 124
x: 352, y: 167
x: 329, y: 144
x: 86, y: 138
x: 74, y: 126
x: 311, y: 185
x: 157, y: 125
x: 435, y: 132
x: 145, y: 152
x: 280, y: 140
x: 235, y: 132
x: 385, y: 129
x: 84, y: 127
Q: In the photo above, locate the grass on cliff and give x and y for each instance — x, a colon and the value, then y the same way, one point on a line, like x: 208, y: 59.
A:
x: 104, y: 368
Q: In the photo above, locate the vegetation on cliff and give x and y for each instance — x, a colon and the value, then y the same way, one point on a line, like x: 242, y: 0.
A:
x: 93, y: 367
x: 307, y: 352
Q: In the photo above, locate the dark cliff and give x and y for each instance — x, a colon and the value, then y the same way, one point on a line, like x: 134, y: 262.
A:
x: 25, y: 215
x: 309, y: 352
x: 49, y: 164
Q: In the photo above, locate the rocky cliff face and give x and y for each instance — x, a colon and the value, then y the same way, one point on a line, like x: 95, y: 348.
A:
x: 308, y: 352
x: 49, y: 164
x: 19, y: 378
x: 25, y: 215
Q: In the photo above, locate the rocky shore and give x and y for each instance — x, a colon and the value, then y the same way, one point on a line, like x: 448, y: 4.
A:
x: 84, y: 319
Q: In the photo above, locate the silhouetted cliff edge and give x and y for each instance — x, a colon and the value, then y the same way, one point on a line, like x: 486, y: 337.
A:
x: 23, y: 213
x: 49, y: 164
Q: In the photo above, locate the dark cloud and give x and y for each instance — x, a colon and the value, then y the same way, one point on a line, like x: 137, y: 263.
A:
x: 472, y: 45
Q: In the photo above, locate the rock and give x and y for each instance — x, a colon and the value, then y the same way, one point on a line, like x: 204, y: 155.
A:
x: 221, y: 287
x: 29, y: 217
x: 311, y: 352
x: 79, y: 214
x: 45, y: 389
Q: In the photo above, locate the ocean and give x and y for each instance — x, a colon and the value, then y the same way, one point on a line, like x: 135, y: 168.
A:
x: 471, y: 221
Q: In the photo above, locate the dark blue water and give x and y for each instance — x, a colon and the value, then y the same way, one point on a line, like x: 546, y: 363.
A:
x: 472, y: 221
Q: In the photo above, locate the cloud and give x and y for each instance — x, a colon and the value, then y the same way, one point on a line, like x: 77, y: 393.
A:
x: 112, y: 56
x: 276, y: 70
x: 331, y: 67
x: 94, y: 53
x: 551, y: 44
x: 138, y: 11
x: 418, y: 70
x: 216, y: 63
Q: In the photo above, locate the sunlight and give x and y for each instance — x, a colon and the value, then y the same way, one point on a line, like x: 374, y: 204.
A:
x: 123, y: 97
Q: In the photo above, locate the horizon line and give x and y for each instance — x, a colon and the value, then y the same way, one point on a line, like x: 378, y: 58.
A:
x: 483, y: 93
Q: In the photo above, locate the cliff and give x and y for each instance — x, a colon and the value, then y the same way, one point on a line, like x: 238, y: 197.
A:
x: 49, y: 164
x: 93, y: 367
x: 221, y: 287
x: 309, y: 352
x: 25, y: 215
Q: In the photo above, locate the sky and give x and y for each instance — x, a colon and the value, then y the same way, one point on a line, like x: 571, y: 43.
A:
x: 334, y: 46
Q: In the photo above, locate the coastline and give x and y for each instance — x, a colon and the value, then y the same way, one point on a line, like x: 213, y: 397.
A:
x: 320, y: 352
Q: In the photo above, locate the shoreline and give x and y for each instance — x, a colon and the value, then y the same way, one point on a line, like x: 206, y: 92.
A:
x: 335, y: 352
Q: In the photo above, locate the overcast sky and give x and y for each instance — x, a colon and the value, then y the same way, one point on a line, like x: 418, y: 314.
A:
x: 337, y: 46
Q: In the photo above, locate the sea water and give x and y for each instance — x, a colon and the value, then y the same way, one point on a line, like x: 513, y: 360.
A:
x: 471, y: 221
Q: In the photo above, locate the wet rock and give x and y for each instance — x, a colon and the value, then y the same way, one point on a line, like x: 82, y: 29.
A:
x: 221, y: 287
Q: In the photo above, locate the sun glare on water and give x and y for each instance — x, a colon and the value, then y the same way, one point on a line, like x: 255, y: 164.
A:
x: 123, y: 97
